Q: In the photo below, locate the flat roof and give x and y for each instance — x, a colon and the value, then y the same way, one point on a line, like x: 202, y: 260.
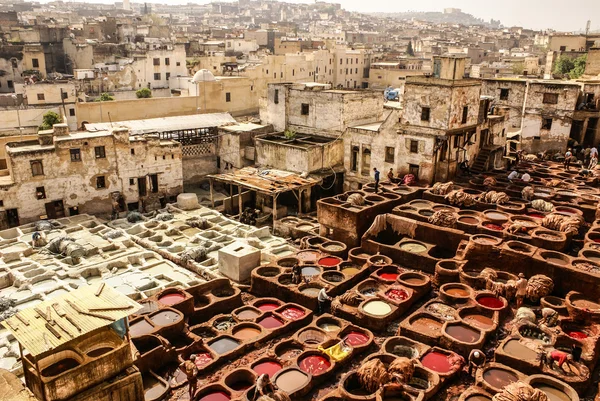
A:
x: 165, y: 124
x: 266, y: 180
x: 55, y: 322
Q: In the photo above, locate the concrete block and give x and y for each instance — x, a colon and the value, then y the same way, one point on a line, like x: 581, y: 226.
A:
x: 187, y: 201
x: 237, y: 260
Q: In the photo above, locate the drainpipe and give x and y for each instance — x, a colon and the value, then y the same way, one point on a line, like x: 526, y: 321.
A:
x: 523, y: 114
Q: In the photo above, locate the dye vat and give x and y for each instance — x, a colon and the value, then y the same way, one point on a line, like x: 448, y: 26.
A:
x: 292, y: 313
x: 60, y: 367
x: 437, y: 361
x: 413, y: 280
x: 270, y: 322
x: 426, y: 325
x: 203, y: 359
x: 95, y: 353
x: 329, y: 261
x: 329, y: 327
x: 308, y: 256
x: 356, y: 338
x: 240, y: 385
x: 246, y: 333
x: 516, y: 349
x: 215, y: 396
x: 171, y: 299
x: 463, y: 333
x: 584, y: 303
x: 490, y: 301
x: 377, y: 308
x: 268, y: 368
x: 499, y: 378
x: 224, y: 345
x: 396, y: 294
x: 478, y: 397
x: 468, y: 220
x: 291, y: 380
x: 289, y: 353
x: 413, y: 247
x: 267, y: 306
x: 441, y: 310
x: 578, y: 335
x: 386, y: 275
x: 165, y: 318
x: 479, y: 321
x: 310, y: 271
x: 457, y: 292
x: 247, y: 314
x: 314, y: 364
x: 311, y: 291
x: 493, y: 226
x: 140, y: 328
x: 153, y: 389
x: 552, y: 393
x: 350, y: 271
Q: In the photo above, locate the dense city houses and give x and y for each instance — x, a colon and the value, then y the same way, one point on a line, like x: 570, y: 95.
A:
x: 270, y: 201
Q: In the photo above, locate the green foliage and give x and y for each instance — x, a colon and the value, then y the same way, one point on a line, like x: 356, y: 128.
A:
x: 572, y: 68
x: 289, y: 134
x: 143, y: 93
x: 409, y: 49
x: 518, y: 68
x: 105, y: 97
x: 49, y: 119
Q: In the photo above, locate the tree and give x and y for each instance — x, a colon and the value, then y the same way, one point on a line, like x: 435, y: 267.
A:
x: 409, y: 49
x: 572, y: 68
x: 49, y: 119
x: 563, y: 65
x: 578, y: 67
x: 105, y: 97
x: 144, y: 93
x: 518, y: 68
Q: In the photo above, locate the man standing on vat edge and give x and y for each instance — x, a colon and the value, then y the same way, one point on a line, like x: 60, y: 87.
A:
x: 376, y: 174
x: 191, y: 371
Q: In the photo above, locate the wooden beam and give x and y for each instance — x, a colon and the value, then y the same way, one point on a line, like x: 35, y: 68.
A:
x: 240, y: 200
x: 274, y: 208
x: 212, y: 197
x: 300, y: 201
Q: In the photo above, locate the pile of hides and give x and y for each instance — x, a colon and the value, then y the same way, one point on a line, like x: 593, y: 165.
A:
x: 356, y: 200
x: 555, y: 183
x: 277, y: 395
x: 43, y: 225
x: 527, y: 193
x: 112, y: 234
x: 351, y: 298
x: 197, y: 222
x: 65, y: 246
x: 489, y: 274
x: 134, y: 217
x: 498, y: 198
x: 515, y: 228
x: 6, y: 308
x: 460, y: 198
x: 444, y: 218
x: 519, y: 391
x: 531, y: 157
x: 402, y: 369
x: 372, y: 375
x: 166, y: 216
x: 197, y: 255
x: 542, y: 205
x: 525, y: 315
x: 442, y: 188
x: 409, y: 179
x: 565, y: 224
x: 549, y: 317
x: 490, y: 182
x: 539, y: 286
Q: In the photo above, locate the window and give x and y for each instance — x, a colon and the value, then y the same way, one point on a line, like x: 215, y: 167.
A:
x: 1, y: 203
x: 305, y: 109
x: 414, y: 146
x: 72, y: 112
x: 40, y: 96
x: 504, y: 94
x: 157, y: 76
x: 563, y: 48
x: 36, y: 168
x: 293, y: 72
x: 465, y: 115
x: 132, y: 151
x: 546, y: 123
x: 414, y: 170
x: 167, y: 61
x: 64, y: 95
x: 156, y: 61
x: 100, y: 182
x: 354, y: 159
x: 132, y: 181
x: 154, y: 183
x: 425, y: 113
x: 457, y: 141
x: 276, y: 97
x: 550, y: 98
x: 100, y: 152
x: 40, y: 193
x: 178, y: 64
x: 10, y: 84
x: 228, y: 97
x: 167, y: 75
x: 389, y: 154
x: 75, y: 155
x: 35, y: 63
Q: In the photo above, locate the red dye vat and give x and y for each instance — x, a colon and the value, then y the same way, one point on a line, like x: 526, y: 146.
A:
x: 437, y: 362
x: 267, y: 306
x: 314, y: 364
x: 388, y: 276
x: 270, y: 322
x: 216, y: 396
x: 536, y: 215
x: 329, y: 261
x: 202, y: 359
x: 493, y: 226
x: 490, y: 302
x: 596, y: 240
x: 396, y: 294
x: 356, y: 338
x: 171, y: 299
x: 292, y: 313
x: 268, y: 368
x: 578, y: 335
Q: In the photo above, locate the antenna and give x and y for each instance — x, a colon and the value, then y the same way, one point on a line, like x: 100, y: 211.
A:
x: 587, y: 27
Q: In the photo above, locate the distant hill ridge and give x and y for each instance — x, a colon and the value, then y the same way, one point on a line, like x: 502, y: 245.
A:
x: 440, y: 17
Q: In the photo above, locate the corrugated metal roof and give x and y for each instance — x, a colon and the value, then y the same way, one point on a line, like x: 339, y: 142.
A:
x: 55, y: 322
x: 166, y: 124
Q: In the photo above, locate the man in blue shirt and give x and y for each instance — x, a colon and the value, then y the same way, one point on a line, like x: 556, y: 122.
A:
x: 376, y: 173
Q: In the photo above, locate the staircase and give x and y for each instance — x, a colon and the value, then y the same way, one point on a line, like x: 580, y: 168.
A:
x: 481, y: 161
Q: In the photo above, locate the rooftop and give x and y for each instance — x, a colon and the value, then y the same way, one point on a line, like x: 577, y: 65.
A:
x: 268, y: 181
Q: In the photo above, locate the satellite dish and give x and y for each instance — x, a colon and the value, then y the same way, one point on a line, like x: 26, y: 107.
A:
x: 203, y: 75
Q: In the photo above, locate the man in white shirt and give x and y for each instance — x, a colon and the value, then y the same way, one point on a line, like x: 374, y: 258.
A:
x: 323, y: 300
x: 526, y: 177
x: 513, y: 175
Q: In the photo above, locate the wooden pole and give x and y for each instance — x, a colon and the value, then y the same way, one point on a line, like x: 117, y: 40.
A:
x: 240, y: 200
x: 300, y: 201
x: 275, y: 208
x: 212, y: 197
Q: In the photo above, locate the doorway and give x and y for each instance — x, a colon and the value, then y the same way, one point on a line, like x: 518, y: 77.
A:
x: 55, y: 209
x: 142, y: 191
x: 12, y: 217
